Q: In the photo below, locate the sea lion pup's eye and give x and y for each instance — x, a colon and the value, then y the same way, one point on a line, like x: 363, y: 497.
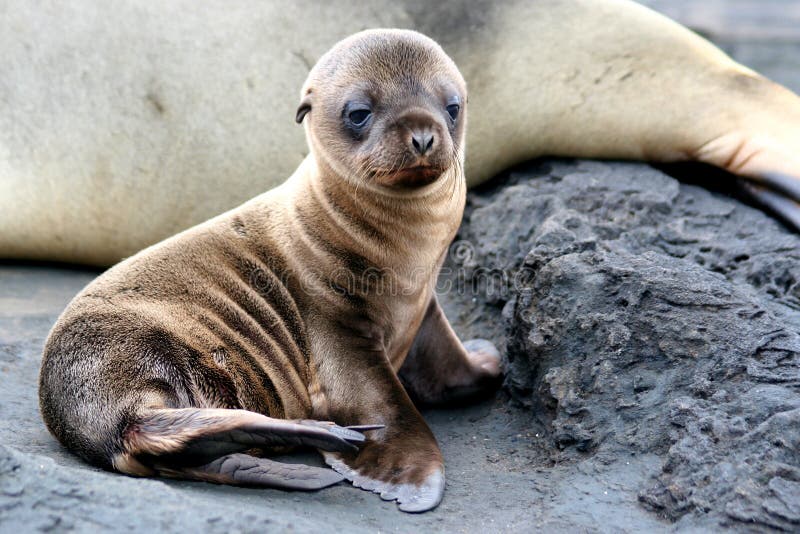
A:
x: 359, y: 116
x: 452, y: 110
x: 453, y: 107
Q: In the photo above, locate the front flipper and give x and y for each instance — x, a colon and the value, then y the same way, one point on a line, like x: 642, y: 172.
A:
x: 184, y: 442
x: 440, y: 369
x: 401, y: 462
x: 417, y: 492
x: 355, y: 384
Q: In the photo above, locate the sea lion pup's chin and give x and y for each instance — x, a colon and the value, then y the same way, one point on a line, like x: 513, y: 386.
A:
x: 385, y: 108
x: 252, y: 329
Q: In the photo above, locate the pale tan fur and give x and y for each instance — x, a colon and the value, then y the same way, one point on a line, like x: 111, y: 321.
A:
x: 125, y: 122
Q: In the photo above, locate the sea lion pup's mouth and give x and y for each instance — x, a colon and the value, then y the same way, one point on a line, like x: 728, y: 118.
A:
x: 414, y: 176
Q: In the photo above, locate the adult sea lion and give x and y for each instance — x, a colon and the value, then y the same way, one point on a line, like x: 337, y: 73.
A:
x: 126, y: 122
x: 304, y: 303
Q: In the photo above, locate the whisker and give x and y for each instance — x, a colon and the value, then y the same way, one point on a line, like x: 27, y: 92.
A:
x: 458, y: 178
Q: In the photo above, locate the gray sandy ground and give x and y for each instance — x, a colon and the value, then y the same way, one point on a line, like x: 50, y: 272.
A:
x: 510, y: 466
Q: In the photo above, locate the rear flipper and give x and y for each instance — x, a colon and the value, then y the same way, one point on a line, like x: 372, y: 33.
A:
x: 204, y: 444
x: 246, y: 470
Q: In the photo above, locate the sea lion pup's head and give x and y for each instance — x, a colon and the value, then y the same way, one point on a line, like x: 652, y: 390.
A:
x: 385, y: 107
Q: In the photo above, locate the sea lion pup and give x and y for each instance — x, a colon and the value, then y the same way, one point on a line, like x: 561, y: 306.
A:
x: 304, y: 303
x: 126, y: 122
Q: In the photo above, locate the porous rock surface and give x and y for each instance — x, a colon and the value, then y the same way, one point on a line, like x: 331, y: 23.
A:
x: 645, y: 316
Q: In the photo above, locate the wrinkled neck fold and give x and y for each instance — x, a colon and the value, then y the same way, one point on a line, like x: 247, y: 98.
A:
x: 397, y: 228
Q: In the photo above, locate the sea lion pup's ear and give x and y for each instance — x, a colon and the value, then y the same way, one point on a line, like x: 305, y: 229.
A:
x: 304, y: 108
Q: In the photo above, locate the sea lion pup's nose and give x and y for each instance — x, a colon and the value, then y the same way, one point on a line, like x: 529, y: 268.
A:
x: 421, y: 130
x: 422, y: 140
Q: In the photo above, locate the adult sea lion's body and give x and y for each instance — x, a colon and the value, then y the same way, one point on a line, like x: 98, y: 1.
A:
x: 125, y: 122
x: 304, y: 303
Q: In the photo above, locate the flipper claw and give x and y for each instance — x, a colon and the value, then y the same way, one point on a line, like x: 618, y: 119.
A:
x: 782, y: 197
x: 351, y: 434
x: 365, y: 428
x: 784, y: 184
x: 348, y: 434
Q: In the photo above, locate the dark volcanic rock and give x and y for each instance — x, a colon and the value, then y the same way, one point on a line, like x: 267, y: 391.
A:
x: 647, y: 316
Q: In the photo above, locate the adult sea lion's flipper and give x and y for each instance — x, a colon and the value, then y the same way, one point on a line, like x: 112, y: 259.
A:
x: 780, y: 194
x: 617, y: 80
